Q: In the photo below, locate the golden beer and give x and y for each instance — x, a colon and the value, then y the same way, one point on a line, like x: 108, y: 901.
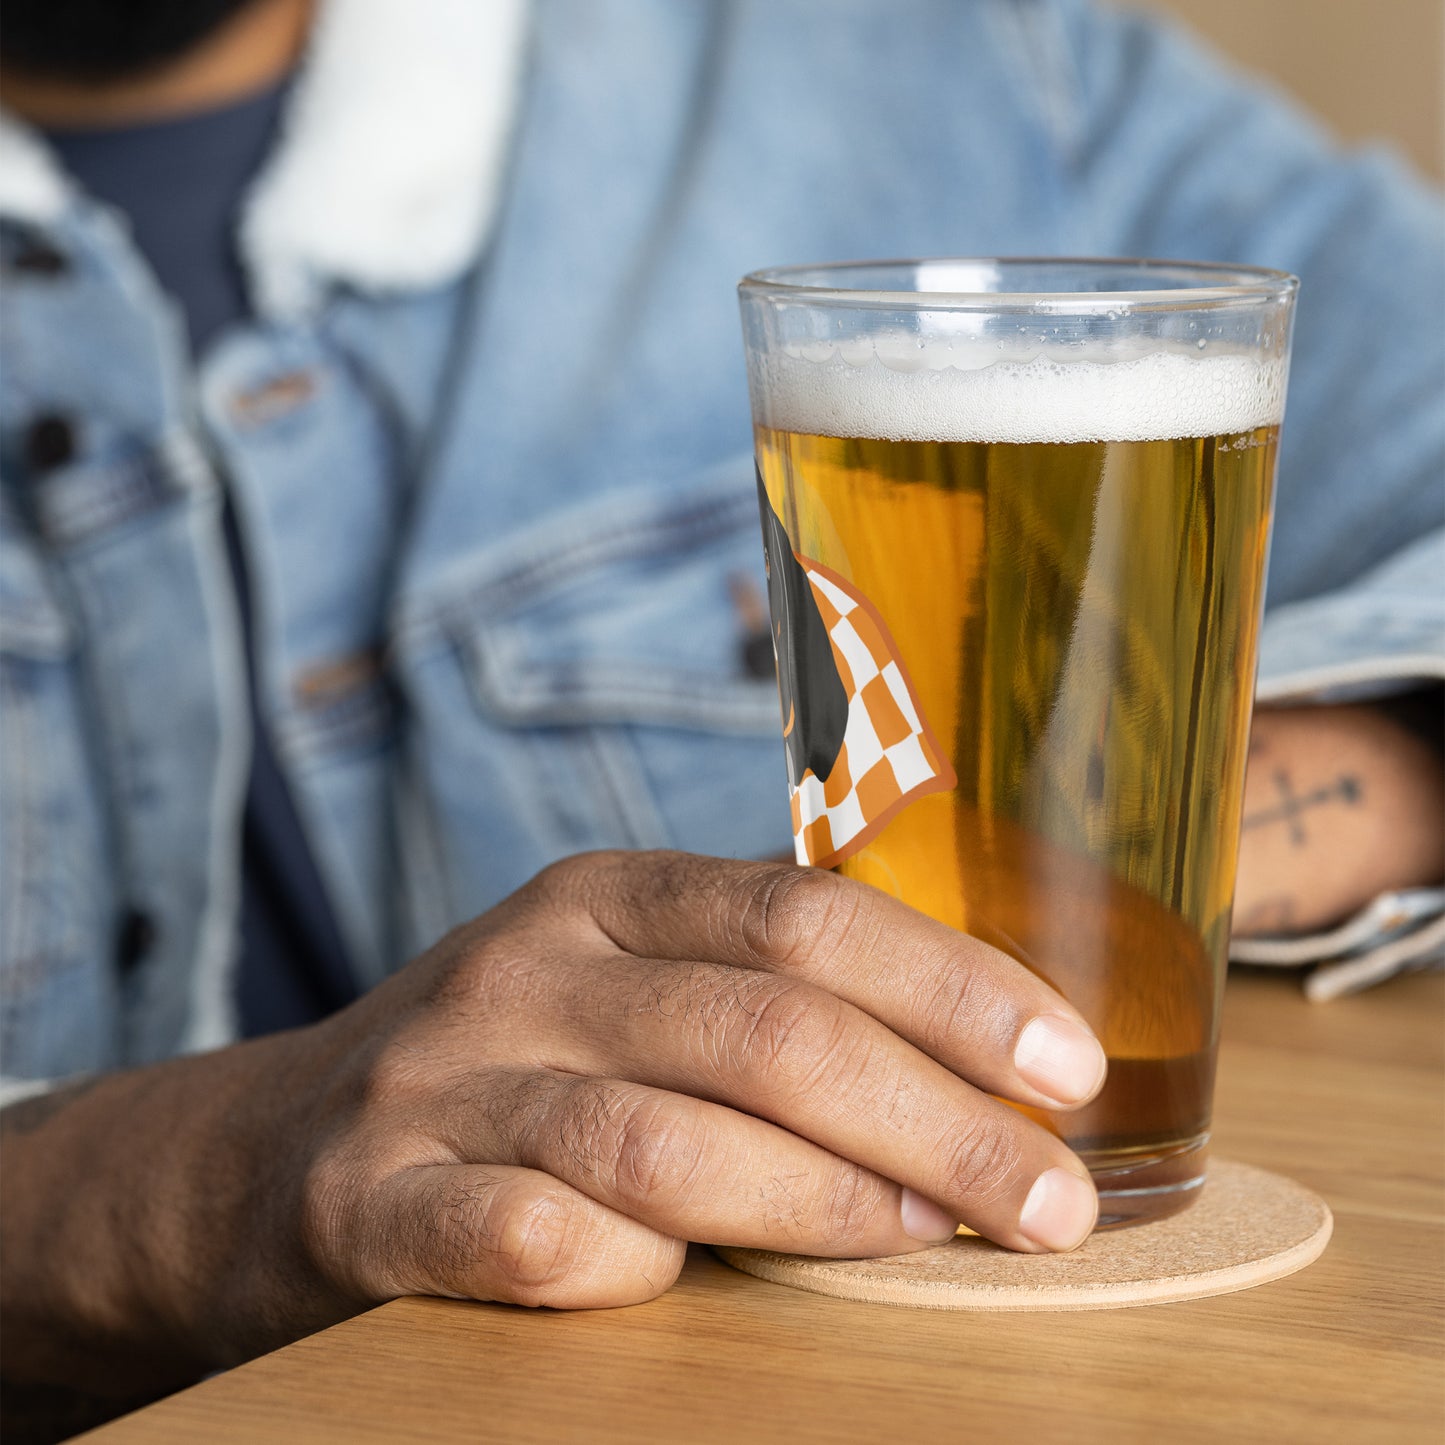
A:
x: 1070, y: 560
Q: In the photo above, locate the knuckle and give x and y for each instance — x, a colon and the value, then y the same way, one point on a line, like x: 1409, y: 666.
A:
x: 633, y: 1144
x: 588, y: 1125
x: 563, y: 878
x: 788, y: 913
x: 534, y: 1244
x: 984, y: 1160
x: 667, y: 876
x: 793, y: 1032
x: 571, y: 884
x: 666, y: 882
x: 494, y: 971
x: 656, y: 1158
x: 596, y: 886
x: 501, y: 973
x: 965, y: 1003
x: 853, y: 1204
x: 455, y: 985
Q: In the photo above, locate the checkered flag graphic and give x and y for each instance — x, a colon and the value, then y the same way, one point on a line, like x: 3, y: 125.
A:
x: 889, y: 755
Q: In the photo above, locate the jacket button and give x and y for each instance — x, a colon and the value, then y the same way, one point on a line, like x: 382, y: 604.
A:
x: 38, y: 258
x: 134, y: 938
x: 757, y: 655
x: 755, y: 648
x: 49, y: 443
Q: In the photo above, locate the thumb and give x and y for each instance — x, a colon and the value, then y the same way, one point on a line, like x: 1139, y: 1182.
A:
x: 493, y: 1232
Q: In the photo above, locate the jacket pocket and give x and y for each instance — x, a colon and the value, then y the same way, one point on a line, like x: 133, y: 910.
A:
x: 609, y: 667
x: 644, y: 610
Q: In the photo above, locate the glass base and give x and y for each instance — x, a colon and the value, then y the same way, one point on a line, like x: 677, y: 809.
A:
x: 1137, y: 1188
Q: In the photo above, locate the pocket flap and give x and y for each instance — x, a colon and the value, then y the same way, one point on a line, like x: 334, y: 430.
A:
x: 644, y: 608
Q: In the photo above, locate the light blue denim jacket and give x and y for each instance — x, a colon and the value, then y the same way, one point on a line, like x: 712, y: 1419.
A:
x: 500, y: 507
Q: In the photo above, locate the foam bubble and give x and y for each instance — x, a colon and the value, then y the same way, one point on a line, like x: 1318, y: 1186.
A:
x: 899, y: 389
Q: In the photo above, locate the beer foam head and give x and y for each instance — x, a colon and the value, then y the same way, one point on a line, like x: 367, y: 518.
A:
x: 901, y: 389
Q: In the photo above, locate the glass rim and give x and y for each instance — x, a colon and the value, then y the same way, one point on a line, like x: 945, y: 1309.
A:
x: 1206, y: 285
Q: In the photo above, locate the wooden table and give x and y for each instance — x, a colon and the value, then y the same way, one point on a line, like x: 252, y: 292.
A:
x: 1344, y: 1096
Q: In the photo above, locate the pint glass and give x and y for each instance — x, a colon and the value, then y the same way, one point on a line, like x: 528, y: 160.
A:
x: 1016, y: 516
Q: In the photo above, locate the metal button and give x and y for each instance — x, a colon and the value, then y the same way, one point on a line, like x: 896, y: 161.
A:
x: 756, y: 646
x: 49, y: 442
x: 134, y: 938
x: 39, y: 258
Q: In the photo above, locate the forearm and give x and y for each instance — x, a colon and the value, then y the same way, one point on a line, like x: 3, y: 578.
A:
x: 132, y: 1210
x: 1341, y: 804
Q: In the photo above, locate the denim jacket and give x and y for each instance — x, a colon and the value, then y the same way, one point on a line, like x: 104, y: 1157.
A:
x: 488, y: 439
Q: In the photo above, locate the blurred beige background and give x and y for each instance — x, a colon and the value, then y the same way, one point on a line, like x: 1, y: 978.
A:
x: 1372, y: 68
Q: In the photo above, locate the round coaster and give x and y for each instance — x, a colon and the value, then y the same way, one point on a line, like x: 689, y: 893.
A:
x: 1248, y: 1227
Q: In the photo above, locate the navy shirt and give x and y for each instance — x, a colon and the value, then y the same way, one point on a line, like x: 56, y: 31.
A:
x: 180, y: 183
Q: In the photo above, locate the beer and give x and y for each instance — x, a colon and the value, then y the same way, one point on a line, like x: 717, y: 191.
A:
x: 1069, y: 555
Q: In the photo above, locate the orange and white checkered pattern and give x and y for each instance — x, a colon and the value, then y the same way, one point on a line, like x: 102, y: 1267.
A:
x: 889, y: 754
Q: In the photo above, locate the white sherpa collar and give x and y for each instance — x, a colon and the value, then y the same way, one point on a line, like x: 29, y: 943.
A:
x: 391, y: 158
x: 32, y: 187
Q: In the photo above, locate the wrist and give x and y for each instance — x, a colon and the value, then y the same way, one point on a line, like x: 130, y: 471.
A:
x: 144, y: 1222
x: 242, y: 1280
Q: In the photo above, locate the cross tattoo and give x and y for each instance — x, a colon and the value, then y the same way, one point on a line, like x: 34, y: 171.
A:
x: 1347, y: 789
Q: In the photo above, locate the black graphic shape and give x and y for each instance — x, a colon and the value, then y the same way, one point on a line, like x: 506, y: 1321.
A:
x: 815, y: 702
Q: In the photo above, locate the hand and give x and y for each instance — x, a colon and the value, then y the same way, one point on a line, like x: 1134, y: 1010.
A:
x: 640, y: 1050
x: 1340, y: 804
x: 632, y: 1052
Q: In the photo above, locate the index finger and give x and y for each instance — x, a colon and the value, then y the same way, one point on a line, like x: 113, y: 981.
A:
x: 970, y: 1006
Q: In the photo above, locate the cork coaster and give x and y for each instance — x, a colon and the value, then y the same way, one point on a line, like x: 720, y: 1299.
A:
x: 1248, y: 1227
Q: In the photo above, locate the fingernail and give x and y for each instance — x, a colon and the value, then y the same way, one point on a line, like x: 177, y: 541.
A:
x: 923, y: 1219
x: 1060, y: 1210
x: 1060, y: 1059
